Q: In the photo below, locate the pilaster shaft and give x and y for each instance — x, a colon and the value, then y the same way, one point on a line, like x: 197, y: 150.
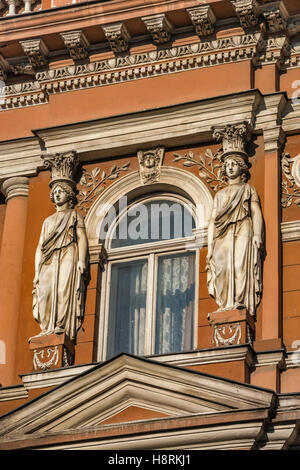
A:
x: 11, y: 261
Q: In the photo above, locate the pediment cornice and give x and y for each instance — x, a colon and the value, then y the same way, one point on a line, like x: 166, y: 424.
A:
x: 103, y: 391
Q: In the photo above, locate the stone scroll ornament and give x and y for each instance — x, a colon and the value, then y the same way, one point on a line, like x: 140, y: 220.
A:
x: 290, y: 185
x: 61, y: 260
x: 235, y: 230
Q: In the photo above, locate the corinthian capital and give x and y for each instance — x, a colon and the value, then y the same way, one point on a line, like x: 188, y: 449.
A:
x: 63, y: 167
x: 234, y: 138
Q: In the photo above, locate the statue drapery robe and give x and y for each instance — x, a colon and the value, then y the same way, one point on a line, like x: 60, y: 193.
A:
x: 234, y: 271
x: 58, y: 297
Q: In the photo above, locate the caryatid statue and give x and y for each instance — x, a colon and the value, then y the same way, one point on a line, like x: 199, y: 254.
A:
x: 61, y: 257
x: 235, y: 230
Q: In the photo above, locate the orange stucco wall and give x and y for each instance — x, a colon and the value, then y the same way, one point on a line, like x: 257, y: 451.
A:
x: 106, y: 101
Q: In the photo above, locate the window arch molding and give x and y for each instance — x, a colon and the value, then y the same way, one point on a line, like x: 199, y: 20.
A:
x: 171, y: 179
x: 184, y: 186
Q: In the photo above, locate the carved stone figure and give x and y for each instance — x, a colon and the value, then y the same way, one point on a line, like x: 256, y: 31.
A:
x: 150, y: 162
x: 235, y: 231
x: 61, y: 257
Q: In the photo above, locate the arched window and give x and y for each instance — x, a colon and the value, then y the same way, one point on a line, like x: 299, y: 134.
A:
x: 150, y: 277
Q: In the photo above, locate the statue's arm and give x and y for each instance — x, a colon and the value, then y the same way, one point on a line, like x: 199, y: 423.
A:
x: 38, y: 257
x: 257, y: 223
x: 210, y: 235
x: 82, y: 249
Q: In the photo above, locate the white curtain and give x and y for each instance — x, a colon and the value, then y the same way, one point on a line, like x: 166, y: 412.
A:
x: 127, y: 310
x: 175, y: 303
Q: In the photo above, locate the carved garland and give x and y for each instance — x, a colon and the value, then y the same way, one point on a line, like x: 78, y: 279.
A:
x: 45, y: 365
x: 93, y: 184
x: 290, y: 190
x: 210, y: 167
x: 234, y: 330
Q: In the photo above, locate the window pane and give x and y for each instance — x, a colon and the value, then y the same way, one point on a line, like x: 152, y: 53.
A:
x: 153, y: 221
x: 127, y: 308
x: 175, y: 303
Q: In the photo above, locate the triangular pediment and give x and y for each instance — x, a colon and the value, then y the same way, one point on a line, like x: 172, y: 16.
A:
x: 128, y: 388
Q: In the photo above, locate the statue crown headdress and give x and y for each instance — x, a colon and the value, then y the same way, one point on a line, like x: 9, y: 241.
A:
x: 234, y: 139
x: 63, y: 167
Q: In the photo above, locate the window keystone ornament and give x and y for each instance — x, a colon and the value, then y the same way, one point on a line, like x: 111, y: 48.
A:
x: 118, y: 36
x: 203, y: 19
x: 247, y: 11
x: 76, y: 43
x: 36, y: 51
x: 150, y: 162
x: 159, y: 27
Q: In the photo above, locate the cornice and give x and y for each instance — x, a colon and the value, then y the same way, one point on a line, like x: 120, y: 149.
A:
x: 183, y: 124
x: 130, y: 67
x: 13, y: 393
x: 290, y: 231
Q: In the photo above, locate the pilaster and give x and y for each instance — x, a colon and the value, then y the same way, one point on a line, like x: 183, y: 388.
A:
x: 11, y: 260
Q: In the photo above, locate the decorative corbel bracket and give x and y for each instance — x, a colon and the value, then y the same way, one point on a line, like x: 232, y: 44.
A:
x: 76, y: 43
x: 36, y: 51
x: 247, y: 11
x: 203, y: 19
x: 276, y: 16
x: 159, y: 27
x: 118, y: 36
x: 4, y: 68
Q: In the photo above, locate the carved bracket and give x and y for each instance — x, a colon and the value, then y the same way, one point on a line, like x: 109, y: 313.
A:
x: 247, y: 11
x: 36, y: 51
x: 76, y: 43
x: 159, y: 27
x: 118, y: 36
x: 276, y: 16
x: 203, y: 19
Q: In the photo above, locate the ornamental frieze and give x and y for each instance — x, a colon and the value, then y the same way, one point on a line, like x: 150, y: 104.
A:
x: 148, y: 64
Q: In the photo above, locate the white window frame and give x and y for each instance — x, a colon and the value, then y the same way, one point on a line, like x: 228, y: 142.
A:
x: 151, y: 251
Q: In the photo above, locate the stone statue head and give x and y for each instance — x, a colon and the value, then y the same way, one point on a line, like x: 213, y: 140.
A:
x: 241, y: 168
x: 68, y: 191
x: 149, y: 160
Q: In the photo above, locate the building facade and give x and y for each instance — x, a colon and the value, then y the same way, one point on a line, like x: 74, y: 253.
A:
x: 122, y: 325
